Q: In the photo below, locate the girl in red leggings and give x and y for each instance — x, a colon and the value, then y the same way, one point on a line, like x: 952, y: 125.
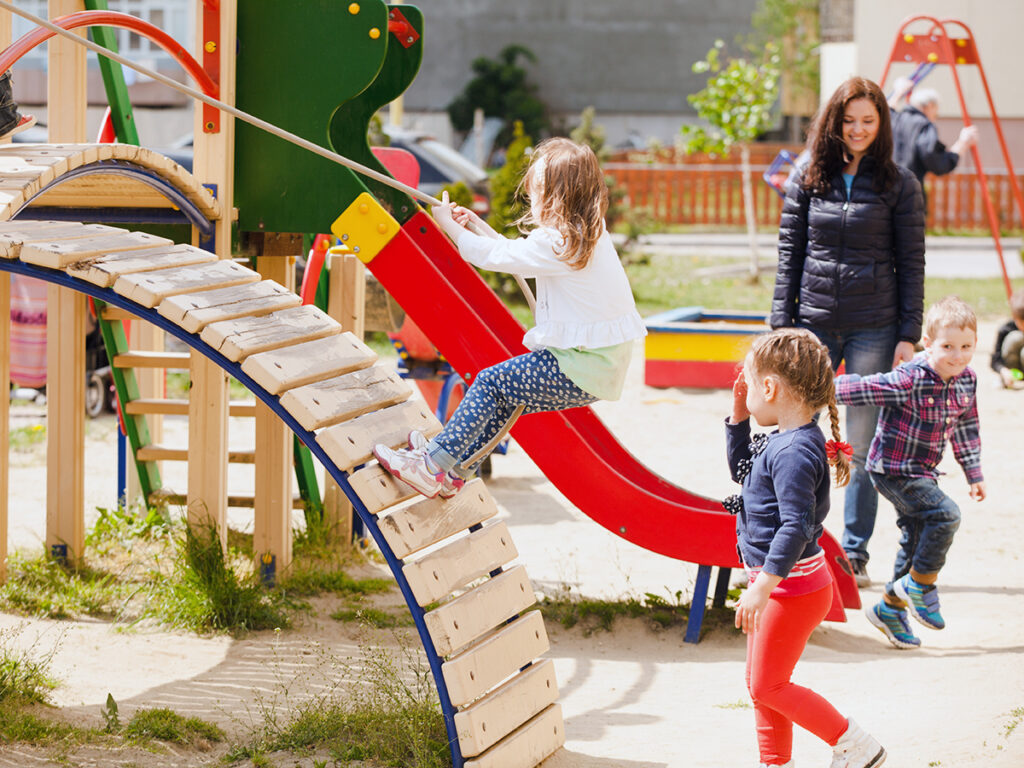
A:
x: 786, y: 380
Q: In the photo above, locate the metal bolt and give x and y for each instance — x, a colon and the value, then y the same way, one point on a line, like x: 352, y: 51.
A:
x: 355, y: 249
x: 344, y: 238
x: 409, y: 39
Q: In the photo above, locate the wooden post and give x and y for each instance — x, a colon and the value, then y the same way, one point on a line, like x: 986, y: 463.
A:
x: 272, y: 508
x: 65, y: 323
x: 208, y: 400
x: 346, y: 299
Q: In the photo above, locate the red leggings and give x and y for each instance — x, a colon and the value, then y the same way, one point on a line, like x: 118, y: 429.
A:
x: 772, y: 653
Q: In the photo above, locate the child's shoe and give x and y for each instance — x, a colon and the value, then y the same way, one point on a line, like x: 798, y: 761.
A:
x: 893, y: 624
x: 22, y: 123
x: 857, y: 749
x: 922, y: 600
x: 452, y: 483
x: 411, y: 468
x: 11, y: 121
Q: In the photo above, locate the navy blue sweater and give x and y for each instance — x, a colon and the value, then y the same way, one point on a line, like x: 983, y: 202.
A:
x: 785, y: 496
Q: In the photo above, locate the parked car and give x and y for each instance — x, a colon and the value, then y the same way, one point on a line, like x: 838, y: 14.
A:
x: 441, y: 165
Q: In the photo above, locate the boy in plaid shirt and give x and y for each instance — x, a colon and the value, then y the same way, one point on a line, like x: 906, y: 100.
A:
x: 924, y: 402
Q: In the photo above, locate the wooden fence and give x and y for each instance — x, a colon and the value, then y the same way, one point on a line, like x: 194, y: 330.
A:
x: 709, y: 193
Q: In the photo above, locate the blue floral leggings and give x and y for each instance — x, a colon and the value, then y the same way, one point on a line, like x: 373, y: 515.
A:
x: 533, y: 380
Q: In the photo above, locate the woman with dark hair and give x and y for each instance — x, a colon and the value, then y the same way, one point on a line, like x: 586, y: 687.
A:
x: 851, y: 267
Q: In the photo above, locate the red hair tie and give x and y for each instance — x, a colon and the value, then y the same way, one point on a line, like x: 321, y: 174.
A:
x: 834, y: 447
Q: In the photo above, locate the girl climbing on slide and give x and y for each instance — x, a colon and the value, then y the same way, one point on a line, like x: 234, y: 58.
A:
x: 586, y: 319
x: 786, y: 379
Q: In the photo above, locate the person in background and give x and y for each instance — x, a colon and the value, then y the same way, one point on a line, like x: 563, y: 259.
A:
x: 1008, y: 354
x: 851, y: 267
x: 11, y: 121
x: 915, y: 140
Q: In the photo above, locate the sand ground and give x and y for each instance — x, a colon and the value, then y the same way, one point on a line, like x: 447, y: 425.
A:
x: 635, y: 697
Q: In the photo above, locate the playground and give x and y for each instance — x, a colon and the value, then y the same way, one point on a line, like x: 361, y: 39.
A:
x: 617, y: 502
x: 634, y: 697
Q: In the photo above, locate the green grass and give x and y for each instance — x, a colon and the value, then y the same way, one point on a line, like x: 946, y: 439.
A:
x: 40, y: 586
x: 374, y: 617
x: 167, y: 725
x: 24, y: 677
x: 665, y: 282
x: 590, y: 615
x: 25, y: 439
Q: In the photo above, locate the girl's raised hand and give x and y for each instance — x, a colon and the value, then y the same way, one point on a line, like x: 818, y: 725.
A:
x: 739, y: 399
x: 444, y: 216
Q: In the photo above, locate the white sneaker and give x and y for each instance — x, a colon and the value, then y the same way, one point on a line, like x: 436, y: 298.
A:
x: 411, y: 468
x: 857, y: 749
x: 452, y: 483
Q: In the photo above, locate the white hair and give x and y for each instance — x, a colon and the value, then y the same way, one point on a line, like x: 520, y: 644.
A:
x: 922, y: 97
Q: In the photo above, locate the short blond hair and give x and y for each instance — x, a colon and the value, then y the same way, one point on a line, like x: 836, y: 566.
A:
x: 949, y: 312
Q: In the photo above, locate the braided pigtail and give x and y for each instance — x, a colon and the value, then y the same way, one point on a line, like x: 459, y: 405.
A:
x: 840, y: 455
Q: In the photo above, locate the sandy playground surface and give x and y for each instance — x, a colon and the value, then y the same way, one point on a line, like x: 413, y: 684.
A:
x: 635, y: 697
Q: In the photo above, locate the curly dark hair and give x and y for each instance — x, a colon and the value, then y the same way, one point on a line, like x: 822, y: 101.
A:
x: 828, y: 150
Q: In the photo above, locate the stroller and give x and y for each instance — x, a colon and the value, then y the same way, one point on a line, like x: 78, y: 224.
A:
x: 28, y: 350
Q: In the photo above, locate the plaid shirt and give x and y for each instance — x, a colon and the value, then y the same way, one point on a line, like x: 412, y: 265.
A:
x: 919, y: 413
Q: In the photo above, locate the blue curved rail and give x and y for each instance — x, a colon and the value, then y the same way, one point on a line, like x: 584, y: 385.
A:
x: 369, y: 521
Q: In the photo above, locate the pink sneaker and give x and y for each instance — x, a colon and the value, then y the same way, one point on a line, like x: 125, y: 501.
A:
x: 411, y: 468
x: 452, y: 483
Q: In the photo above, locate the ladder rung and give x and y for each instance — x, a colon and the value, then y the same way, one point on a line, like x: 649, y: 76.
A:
x: 245, y: 502
x: 167, y: 407
x: 143, y: 359
x: 110, y: 312
x: 165, y: 453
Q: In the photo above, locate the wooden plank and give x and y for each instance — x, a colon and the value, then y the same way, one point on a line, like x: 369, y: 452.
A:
x: 147, y: 359
x: 378, y: 489
x: 240, y: 337
x: 14, y: 168
x: 195, y: 311
x: 14, y: 234
x: 300, y: 364
x: 168, y: 407
x: 478, y: 669
x: 529, y: 746
x: 489, y: 720
x: 473, y: 614
x: 150, y: 288
x: 105, y: 270
x: 60, y: 254
x: 351, y: 443
x: 167, y: 453
x: 417, y: 526
x: 332, y: 401
x: 455, y: 565
x: 110, y: 313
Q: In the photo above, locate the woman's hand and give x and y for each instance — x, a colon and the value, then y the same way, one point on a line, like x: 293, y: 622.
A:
x: 904, y: 353
x: 739, y: 401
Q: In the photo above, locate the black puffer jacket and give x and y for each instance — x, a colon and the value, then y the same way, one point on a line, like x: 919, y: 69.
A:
x: 857, y: 263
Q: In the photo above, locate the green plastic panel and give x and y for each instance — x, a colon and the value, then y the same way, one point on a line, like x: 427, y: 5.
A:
x: 297, y: 62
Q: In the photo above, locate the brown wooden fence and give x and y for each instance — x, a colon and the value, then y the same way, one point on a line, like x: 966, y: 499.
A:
x: 676, y: 190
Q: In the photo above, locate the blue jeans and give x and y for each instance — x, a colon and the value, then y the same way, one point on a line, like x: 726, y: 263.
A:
x: 927, y: 518
x: 534, y: 380
x: 865, y: 351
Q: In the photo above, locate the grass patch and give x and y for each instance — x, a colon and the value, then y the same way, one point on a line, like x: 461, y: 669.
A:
x: 374, y: 617
x: 668, y: 281
x: 25, y: 439
x: 40, y: 586
x: 1016, y: 715
x: 206, y: 592
x: 384, y: 711
x: 24, y: 678
x: 167, y: 725
x: 590, y: 614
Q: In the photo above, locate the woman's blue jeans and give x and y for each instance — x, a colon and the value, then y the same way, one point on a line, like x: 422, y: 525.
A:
x: 865, y: 351
x: 927, y: 518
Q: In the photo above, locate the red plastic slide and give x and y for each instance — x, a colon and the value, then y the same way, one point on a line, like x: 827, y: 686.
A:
x: 472, y: 328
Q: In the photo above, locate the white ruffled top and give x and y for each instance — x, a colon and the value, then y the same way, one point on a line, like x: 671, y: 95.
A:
x: 587, y: 308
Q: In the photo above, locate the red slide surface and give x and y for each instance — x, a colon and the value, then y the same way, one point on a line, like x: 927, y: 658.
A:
x: 473, y: 329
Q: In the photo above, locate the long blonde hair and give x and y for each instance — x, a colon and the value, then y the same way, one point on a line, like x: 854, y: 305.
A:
x: 797, y: 357
x: 572, y: 196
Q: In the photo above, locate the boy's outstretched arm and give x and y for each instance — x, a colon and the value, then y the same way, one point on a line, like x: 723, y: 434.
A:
x: 890, y: 388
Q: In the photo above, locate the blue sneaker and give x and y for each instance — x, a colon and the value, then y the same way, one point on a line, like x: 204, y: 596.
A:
x: 893, y: 624
x: 922, y: 600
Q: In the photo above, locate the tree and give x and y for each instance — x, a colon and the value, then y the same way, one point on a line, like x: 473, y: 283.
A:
x: 736, y: 103
x: 500, y: 88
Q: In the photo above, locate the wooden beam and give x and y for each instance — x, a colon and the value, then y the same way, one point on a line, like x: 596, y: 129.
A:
x: 5, y: 371
x: 65, y: 324
x: 213, y: 164
x: 272, y: 519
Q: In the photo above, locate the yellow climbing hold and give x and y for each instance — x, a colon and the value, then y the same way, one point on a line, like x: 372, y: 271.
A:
x: 353, y: 8
x: 908, y: 38
x: 933, y: 57
x: 374, y: 33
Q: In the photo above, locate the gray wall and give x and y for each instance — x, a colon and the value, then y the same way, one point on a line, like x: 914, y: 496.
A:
x: 620, y: 57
